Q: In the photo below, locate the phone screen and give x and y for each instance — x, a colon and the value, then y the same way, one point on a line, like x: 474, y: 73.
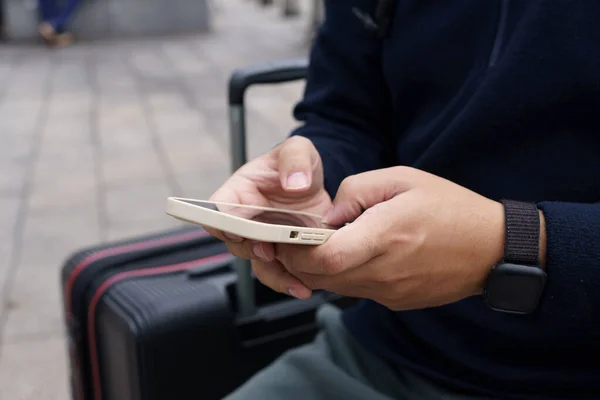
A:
x: 262, y: 215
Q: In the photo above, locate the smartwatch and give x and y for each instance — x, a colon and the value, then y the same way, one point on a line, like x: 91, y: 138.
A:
x: 516, y: 283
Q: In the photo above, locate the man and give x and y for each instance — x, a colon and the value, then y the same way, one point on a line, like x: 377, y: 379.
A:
x: 419, y: 137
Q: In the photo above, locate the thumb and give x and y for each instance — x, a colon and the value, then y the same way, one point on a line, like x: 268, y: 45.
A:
x: 297, y: 158
x: 360, y: 192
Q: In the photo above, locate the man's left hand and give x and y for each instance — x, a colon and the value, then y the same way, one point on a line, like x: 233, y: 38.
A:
x: 422, y: 241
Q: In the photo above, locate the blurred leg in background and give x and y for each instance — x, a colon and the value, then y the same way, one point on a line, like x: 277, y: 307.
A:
x: 2, y: 22
x: 55, y: 20
x: 317, y: 14
x: 291, y: 8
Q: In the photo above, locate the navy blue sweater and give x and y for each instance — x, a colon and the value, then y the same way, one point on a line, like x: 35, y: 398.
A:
x: 502, y: 97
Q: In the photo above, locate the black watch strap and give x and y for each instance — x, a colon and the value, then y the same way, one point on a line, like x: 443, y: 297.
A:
x: 522, y: 239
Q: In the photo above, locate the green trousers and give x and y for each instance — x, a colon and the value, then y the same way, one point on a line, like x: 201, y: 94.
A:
x: 335, y: 366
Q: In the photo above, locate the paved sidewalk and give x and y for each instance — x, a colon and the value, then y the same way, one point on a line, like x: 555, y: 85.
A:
x: 94, y: 138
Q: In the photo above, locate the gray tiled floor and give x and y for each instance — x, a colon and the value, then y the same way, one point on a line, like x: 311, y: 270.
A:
x: 94, y: 137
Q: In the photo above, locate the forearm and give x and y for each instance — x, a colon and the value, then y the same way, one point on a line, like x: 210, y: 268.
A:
x: 571, y: 253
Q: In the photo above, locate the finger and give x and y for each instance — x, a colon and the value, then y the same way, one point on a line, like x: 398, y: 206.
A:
x: 357, y: 243
x: 351, y: 282
x: 232, y: 237
x: 339, y: 284
x: 349, y: 247
x: 360, y: 192
x: 273, y: 275
x: 263, y: 251
x: 224, y: 236
x: 243, y: 249
x: 250, y: 250
x: 214, y: 232
x: 246, y: 211
x: 297, y: 158
x: 227, y: 199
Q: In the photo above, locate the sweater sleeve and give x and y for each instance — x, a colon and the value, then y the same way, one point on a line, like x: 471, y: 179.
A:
x: 572, y: 290
x: 346, y: 107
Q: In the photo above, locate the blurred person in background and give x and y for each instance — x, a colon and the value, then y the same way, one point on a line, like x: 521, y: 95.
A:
x: 56, y: 15
x: 2, y: 21
x: 461, y: 139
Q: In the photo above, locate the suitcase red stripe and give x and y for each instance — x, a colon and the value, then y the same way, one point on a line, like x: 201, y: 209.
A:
x: 131, y: 274
x: 108, y: 252
x: 113, y: 251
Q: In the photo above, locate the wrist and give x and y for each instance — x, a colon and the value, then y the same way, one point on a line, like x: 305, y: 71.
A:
x: 494, y: 250
x: 491, y: 249
x: 516, y: 284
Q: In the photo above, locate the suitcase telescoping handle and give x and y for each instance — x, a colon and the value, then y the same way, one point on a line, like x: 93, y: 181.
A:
x: 240, y: 80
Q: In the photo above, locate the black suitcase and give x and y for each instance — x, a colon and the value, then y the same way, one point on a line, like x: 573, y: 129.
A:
x: 175, y: 316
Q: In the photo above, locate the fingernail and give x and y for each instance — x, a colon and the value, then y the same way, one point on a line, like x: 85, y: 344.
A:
x: 297, y: 180
x: 293, y: 293
x: 232, y: 237
x: 258, y: 251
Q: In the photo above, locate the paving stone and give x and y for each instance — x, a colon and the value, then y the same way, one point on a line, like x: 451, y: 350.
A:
x: 69, y: 135
x: 34, y: 370
x: 183, y: 60
x: 50, y: 236
x: 121, y: 121
x: 9, y: 208
x: 124, y: 231
x: 68, y: 126
x: 20, y: 116
x: 130, y: 167
x: 117, y: 93
x: 124, y: 134
x: 29, y: 80
x: 168, y: 102
x: 15, y: 154
x: 70, y: 76
x: 75, y: 54
x: 70, y: 105
x: 196, y: 155
x: 137, y: 201
x: 275, y: 102
x: 55, y: 149
x: 34, y: 306
x: 262, y: 134
x: 78, y: 191
x: 113, y: 74
x: 15, y: 149
x: 148, y: 64
x: 189, y: 146
x: 109, y: 53
x: 5, y: 259
x: 6, y: 67
x: 12, y: 180
x: 178, y: 123
x: 74, y: 168
x: 211, y: 90
x: 48, y: 239
x: 203, y: 183
x: 117, y: 117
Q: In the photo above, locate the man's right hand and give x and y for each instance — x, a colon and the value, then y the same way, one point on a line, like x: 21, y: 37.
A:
x: 288, y: 177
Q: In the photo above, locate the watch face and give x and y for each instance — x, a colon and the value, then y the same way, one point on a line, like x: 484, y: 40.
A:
x: 515, y: 288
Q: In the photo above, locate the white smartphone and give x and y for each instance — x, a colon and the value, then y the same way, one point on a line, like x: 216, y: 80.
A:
x: 252, y: 222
